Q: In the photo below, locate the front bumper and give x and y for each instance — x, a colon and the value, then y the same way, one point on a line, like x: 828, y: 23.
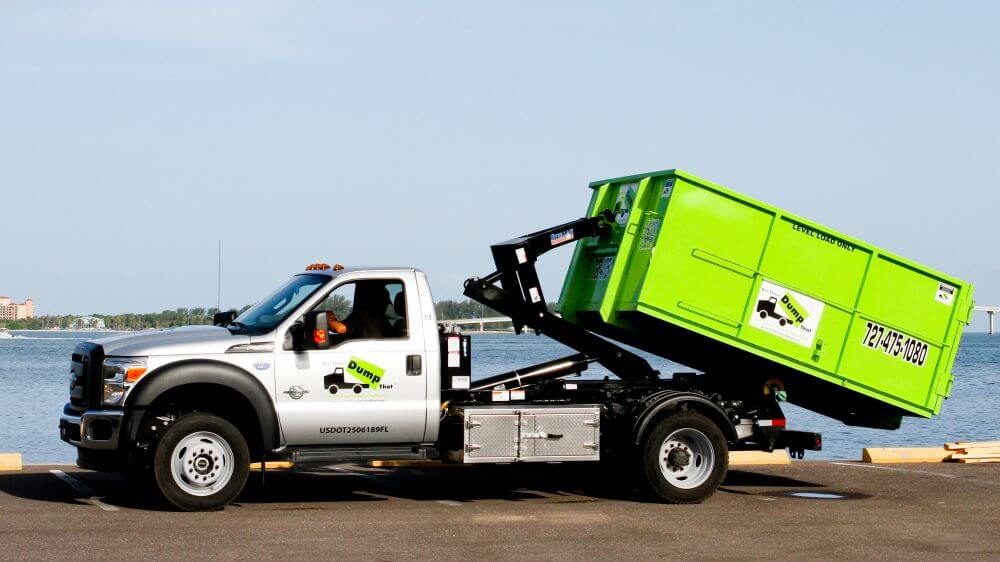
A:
x: 92, y: 429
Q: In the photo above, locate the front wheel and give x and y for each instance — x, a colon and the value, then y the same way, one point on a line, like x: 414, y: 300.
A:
x: 201, y: 463
x: 685, y: 458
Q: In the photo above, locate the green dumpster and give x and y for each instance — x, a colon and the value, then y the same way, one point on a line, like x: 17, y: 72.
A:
x: 756, y: 296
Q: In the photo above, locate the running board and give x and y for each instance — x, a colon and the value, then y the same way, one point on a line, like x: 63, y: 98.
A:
x: 330, y: 455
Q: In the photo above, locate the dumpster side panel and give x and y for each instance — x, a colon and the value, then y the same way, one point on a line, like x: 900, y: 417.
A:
x: 812, y: 343
x: 903, y: 343
x: 808, y: 257
x: 706, y: 254
x: 823, y: 273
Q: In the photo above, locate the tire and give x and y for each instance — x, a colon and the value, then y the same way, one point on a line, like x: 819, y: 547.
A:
x: 694, y: 472
x: 763, y: 315
x: 782, y: 321
x: 201, y: 463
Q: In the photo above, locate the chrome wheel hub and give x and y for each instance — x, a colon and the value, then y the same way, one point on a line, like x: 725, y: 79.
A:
x: 687, y: 458
x: 202, y: 463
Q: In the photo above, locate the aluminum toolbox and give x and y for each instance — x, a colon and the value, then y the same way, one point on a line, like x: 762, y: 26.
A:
x: 725, y: 284
x: 529, y: 434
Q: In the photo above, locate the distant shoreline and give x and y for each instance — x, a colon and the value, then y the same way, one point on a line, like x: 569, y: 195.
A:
x: 43, y: 330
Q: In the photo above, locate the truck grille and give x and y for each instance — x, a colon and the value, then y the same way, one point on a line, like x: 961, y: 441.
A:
x: 85, y: 380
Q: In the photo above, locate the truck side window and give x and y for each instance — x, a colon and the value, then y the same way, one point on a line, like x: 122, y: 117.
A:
x: 369, y: 309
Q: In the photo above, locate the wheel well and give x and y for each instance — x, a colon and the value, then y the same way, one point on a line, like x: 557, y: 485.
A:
x: 648, y: 421
x: 208, y: 398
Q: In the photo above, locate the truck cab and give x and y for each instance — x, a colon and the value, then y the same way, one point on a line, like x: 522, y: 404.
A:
x: 334, y: 357
x: 375, y: 380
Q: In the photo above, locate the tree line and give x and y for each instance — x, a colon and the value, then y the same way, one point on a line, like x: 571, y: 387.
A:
x: 446, y: 310
x: 128, y: 321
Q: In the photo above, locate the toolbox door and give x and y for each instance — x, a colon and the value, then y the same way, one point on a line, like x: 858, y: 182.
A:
x: 560, y: 436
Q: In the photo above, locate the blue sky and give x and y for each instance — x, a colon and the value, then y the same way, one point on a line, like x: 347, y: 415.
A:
x: 137, y: 134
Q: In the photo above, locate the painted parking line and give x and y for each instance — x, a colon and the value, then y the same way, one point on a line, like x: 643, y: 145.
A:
x: 89, y: 496
x: 449, y: 503
x: 915, y: 471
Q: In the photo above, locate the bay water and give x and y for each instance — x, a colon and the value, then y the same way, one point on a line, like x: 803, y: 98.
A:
x: 34, y: 386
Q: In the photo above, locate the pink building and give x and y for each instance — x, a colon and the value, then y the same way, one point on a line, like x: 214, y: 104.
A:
x: 14, y: 311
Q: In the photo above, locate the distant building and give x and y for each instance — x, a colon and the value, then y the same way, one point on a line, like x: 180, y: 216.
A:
x: 14, y: 311
x: 88, y: 323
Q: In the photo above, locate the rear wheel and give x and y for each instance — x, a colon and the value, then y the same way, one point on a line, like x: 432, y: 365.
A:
x: 201, y: 463
x: 684, y: 458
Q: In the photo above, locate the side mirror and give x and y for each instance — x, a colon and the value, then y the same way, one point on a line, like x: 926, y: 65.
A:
x: 223, y: 318
x: 316, y: 330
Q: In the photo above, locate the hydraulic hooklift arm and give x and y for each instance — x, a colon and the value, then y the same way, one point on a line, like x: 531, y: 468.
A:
x: 519, y: 295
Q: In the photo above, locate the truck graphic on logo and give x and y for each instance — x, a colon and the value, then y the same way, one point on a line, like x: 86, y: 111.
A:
x: 767, y: 308
x: 358, y: 376
x: 335, y: 382
x: 790, y: 310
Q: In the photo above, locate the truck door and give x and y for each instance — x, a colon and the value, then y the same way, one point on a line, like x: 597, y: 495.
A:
x: 370, y: 386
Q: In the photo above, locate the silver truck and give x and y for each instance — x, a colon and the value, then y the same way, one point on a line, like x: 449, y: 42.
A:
x: 349, y: 364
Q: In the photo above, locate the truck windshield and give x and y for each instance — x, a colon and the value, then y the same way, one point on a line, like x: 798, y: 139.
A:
x: 268, y: 313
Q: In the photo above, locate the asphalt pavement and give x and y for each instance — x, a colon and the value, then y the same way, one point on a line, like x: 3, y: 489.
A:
x: 806, y: 510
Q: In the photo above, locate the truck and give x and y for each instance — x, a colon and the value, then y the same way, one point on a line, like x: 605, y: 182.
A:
x: 349, y: 364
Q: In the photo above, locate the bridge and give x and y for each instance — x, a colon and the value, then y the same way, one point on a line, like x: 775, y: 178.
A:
x: 990, y: 311
x: 481, y: 322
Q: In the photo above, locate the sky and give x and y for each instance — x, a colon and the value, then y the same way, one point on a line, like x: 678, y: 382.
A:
x: 135, y: 135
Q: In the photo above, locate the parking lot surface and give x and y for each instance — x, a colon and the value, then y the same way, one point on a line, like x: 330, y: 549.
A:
x: 807, y: 510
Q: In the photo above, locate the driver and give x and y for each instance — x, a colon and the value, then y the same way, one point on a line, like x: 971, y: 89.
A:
x: 368, y: 319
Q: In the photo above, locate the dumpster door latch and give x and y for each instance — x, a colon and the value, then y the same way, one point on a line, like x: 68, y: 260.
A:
x: 817, y: 350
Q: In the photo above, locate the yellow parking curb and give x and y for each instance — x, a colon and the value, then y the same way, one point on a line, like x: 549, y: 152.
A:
x: 751, y: 458
x: 272, y: 465
x: 10, y: 461
x: 413, y: 464
x: 887, y: 455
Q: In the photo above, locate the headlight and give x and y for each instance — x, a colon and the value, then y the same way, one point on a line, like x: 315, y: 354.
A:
x: 120, y: 373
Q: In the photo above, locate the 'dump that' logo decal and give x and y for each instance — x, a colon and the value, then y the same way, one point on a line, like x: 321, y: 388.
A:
x: 357, y: 377
x: 786, y: 314
x: 368, y: 372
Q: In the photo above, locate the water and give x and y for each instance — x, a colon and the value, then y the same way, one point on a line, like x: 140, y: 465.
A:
x: 34, y: 379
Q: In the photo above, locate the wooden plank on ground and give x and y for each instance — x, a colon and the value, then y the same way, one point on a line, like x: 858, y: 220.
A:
x: 977, y: 450
x: 751, y: 458
x: 10, y: 461
x: 976, y: 455
x: 966, y: 444
x: 888, y: 455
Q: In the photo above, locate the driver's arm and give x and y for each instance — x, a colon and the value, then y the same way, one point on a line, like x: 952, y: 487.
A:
x: 334, y: 325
